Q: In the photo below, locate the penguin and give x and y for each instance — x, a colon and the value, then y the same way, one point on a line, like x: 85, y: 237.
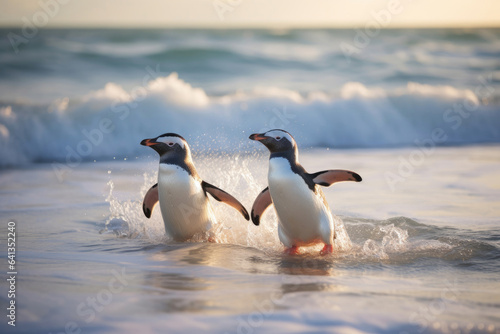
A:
x: 181, y: 192
x: 304, y: 218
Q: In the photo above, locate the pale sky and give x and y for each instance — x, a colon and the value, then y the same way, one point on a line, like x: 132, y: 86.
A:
x: 250, y: 13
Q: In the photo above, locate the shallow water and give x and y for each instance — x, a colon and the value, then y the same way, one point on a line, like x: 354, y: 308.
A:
x: 425, y: 256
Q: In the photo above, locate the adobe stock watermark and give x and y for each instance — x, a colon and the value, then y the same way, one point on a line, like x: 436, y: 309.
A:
x: 426, y: 315
x: 31, y: 25
x: 380, y: 19
x: 195, y: 208
x: 87, y: 310
x: 105, y: 126
x: 264, y: 309
x: 222, y: 7
x: 279, y: 119
x: 248, y: 323
x: 454, y: 118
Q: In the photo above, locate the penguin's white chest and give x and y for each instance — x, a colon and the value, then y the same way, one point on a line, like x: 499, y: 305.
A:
x: 303, y: 217
x: 184, y: 206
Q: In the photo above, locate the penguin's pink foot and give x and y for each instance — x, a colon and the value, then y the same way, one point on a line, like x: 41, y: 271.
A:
x: 328, y: 249
x: 212, y: 239
x: 294, y: 250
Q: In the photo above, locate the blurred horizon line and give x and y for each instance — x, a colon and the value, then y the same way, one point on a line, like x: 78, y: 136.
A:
x: 493, y: 25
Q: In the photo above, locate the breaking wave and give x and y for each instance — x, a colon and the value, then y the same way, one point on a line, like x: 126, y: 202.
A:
x: 111, y: 122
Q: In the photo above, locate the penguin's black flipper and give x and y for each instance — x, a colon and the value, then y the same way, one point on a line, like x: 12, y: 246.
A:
x: 262, y: 202
x: 328, y: 177
x: 222, y: 196
x: 150, y: 201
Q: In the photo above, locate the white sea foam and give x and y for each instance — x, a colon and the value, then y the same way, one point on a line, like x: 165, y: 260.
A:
x: 72, y: 129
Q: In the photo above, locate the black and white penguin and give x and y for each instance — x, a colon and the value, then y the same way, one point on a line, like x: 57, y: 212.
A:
x: 182, y: 194
x: 304, y: 217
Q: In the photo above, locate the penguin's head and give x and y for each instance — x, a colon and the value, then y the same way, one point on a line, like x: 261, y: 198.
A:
x: 276, y: 140
x: 168, y: 144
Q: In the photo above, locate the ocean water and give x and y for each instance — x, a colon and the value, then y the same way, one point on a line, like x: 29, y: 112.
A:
x: 424, y: 257
x: 67, y: 91
x: 415, y: 112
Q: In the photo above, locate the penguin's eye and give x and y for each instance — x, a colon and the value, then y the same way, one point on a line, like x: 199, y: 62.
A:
x: 278, y: 138
x: 170, y: 144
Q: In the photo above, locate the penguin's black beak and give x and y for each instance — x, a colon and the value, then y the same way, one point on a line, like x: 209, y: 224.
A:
x: 258, y: 136
x: 149, y: 142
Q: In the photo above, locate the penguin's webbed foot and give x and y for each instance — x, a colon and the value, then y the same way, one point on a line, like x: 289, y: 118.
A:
x: 328, y: 249
x: 294, y: 250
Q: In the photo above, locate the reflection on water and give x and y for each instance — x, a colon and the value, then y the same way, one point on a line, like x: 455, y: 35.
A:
x: 247, y: 259
x: 185, y: 283
x: 172, y: 281
x: 306, y: 265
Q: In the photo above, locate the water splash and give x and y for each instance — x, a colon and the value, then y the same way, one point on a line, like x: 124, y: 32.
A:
x: 401, y: 240
x: 126, y: 218
x: 394, y: 240
x: 243, y: 176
